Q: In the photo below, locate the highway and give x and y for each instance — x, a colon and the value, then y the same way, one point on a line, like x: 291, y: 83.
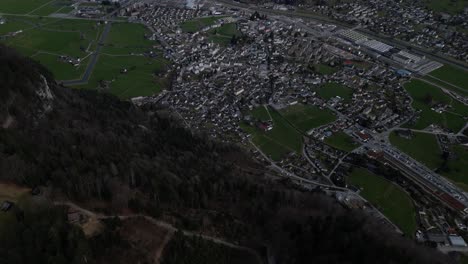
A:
x: 389, y: 40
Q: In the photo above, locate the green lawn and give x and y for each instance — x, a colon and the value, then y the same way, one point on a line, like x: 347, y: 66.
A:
x: 393, y: 202
x: 422, y: 147
x: 426, y: 95
x: 330, y: 90
x: 449, y: 6
x: 55, y: 36
x: 457, y: 169
x: 138, y: 81
x: 452, y: 75
x: 195, y: 25
x: 279, y: 141
x: 127, y: 38
x: 325, y: 69
x: 61, y: 70
x: 342, y: 141
x: 464, y: 259
x: 260, y: 113
x: 224, y: 34
x: 52, y: 7
x: 20, y: 6
x: 305, y: 117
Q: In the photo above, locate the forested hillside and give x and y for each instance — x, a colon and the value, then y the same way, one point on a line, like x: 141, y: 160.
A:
x: 94, y: 149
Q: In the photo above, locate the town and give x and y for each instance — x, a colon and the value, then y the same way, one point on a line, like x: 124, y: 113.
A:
x: 365, y: 101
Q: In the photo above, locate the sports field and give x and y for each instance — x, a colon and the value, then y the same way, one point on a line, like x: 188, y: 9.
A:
x: 305, y: 117
x: 342, y: 141
x: 279, y: 141
x: 425, y: 96
x: 392, y: 201
x: 330, y: 90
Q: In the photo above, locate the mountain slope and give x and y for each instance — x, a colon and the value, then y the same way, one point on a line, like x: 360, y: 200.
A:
x: 114, y: 158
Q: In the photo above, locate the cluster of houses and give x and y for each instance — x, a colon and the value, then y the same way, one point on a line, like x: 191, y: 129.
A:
x: 410, y: 21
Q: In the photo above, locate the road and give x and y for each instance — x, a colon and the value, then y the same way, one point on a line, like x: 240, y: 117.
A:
x: 94, y: 58
x: 389, y: 40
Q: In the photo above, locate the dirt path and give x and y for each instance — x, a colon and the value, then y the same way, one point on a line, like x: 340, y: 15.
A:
x: 171, y: 229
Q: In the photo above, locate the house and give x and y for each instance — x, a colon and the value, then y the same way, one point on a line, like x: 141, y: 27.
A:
x: 6, y: 206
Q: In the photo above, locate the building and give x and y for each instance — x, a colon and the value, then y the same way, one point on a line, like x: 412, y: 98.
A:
x: 457, y: 241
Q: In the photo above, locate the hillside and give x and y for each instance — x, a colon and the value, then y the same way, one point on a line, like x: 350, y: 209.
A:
x: 115, y: 158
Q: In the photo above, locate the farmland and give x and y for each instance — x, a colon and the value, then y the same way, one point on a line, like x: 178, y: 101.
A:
x: 393, y: 202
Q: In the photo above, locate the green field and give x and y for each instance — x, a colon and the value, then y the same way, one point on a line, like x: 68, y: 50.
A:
x: 127, y: 38
x: 464, y: 259
x: 422, y: 147
x: 224, y: 34
x: 330, y: 90
x: 20, y: 6
x: 457, y: 169
x: 279, y: 141
x: 342, y: 141
x: 425, y: 96
x: 325, y: 69
x: 62, y: 37
x: 393, y: 202
x: 261, y: 113
x: 45, y: 39
x: 138, y: 81
x: 195, y: 25
x: 61, y: 70
x: 124, y: 50
x: 448, y: 6
x: 52, y: 7
x: 454, y: 76
x: 305, y: 117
